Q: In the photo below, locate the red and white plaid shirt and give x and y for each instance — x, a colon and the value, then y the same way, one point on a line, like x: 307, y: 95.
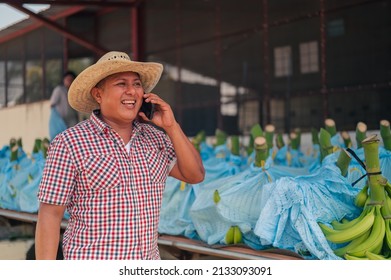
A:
x: 113, y: 197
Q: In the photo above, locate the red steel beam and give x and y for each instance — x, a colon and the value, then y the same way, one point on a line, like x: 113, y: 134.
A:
x: 58, y: 28
x: 83, y: 3
x: 37, y: 25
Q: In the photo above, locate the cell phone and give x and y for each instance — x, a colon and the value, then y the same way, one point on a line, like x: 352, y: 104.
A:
x: 147, y: 108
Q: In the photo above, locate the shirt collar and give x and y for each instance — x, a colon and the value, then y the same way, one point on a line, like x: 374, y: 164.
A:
x: 100, y: 125
x: 103, y: 127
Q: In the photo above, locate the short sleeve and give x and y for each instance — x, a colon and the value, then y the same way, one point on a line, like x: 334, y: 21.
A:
x: 59, y: 174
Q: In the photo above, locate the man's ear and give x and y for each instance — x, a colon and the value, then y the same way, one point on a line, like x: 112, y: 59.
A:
x: 96, y: 94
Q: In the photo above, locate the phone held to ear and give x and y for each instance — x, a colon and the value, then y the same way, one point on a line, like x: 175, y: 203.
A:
x: 147, y: 108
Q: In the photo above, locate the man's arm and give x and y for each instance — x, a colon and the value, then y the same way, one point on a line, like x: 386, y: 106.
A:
x: 189, y: 167
x: 47, y: 234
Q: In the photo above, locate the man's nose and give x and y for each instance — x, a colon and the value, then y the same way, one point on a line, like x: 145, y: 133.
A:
x: 130, y: 89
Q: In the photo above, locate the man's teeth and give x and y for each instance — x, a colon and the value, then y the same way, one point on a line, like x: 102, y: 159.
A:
x: 127, y: 102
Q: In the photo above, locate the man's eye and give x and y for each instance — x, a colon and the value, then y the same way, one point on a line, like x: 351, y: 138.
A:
x: 137, y: 85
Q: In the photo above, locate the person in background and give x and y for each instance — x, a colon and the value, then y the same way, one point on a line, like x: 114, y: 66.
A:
x: 109, y: 171
x: 62, y: 116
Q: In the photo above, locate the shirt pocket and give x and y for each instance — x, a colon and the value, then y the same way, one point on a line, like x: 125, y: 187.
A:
x: 157, y: 164
x: 102, y: 172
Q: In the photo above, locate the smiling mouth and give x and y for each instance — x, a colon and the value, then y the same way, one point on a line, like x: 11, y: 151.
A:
x: 128, y: 102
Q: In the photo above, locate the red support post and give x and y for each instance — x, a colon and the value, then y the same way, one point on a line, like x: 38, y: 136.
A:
x: 324, y: 90
x: 178, y: 57
x: 218, y: 57
x: 137, y: 17
x: 266, y: 60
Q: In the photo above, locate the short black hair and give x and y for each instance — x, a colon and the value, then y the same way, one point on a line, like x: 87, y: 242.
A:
x: 73, y: 74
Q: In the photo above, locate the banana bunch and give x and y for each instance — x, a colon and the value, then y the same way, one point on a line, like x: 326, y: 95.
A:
x: 369, y: 235
x: 345, y: 232
x: 233, y: 235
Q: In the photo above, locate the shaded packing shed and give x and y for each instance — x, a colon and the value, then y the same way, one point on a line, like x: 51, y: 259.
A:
x: 228, y: 64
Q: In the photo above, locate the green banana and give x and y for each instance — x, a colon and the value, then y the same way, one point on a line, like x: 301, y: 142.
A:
x: 358, y: 229
x: 30, y: 178
x: 216, y: 196
x: 237, y: 235
x: 374, y: 243
x: 326, y: 229
x: 229, y: 236
x: 354, y: 243
x: 386, y: 209
x: 388, y: 201
x: 345, y: 225
x: 373, y: 256
x: 182, y: 186
x: 387, y: 187
x: 353, y: 258
x: 361, y: 197
x: 388, y: 233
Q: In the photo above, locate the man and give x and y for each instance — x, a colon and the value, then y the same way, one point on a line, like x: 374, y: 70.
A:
x: 62, y: 115
x: 109, y: 171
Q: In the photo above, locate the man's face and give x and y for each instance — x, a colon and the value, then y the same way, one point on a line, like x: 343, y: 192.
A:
x: 120, y: 97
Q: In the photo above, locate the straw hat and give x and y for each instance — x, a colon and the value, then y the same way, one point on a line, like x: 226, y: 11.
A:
x: 79, y: 94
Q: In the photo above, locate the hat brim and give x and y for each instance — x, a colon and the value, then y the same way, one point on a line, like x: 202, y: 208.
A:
x: 79, y: 94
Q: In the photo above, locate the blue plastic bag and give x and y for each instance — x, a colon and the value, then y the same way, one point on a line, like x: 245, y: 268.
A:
x: 56, y: 123
x: 239, y: 203
x: 178, y: 196
x: 26, y: 193
x: 291, y: 208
